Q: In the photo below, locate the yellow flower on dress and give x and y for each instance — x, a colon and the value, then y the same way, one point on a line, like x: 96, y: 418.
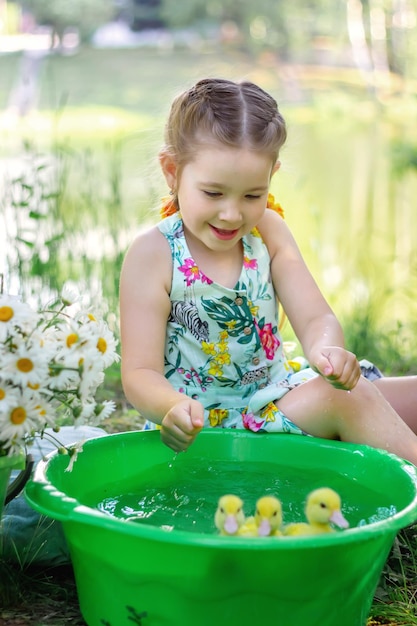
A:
x: 287, y: 366
x: 231, y: 324
x: 216, y: 416
x: 253, y: 308
x: 208, y: 348
x: 269, y: 412
x: 223, y: 335
x: 215, y: 369
x: 295, y: 365
x: 223, y: 358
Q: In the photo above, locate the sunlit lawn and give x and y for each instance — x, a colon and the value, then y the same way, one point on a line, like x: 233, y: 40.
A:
x: 9, y: 64
x: 96, y: 83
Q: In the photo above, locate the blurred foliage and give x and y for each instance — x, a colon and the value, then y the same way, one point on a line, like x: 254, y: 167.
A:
x: 380, y: 34
x: 84, y: 15
x: 281, y: 26
x: 376, y: 35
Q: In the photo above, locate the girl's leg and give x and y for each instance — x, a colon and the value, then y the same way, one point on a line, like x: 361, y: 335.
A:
x: 361, y: 415
x: 401, y: 393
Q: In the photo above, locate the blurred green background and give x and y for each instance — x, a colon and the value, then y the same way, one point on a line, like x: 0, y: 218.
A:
x: 85, y: 88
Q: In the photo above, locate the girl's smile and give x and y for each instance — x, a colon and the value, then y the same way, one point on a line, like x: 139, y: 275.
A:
x: 223, y: 234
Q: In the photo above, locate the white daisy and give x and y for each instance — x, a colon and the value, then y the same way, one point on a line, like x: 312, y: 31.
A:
x: 103, y: 410
x: 83, y: 412
x: 27, y: 366
x: 72, y: 344
x: 8, y: 395
x: 92, y: 376
x: 45, y: 339
x: 104, y: 342
x: 63, y: 376
x: 20, y: 420
x: 15, y: 313
x: 47, y: 410
x: 70, y: 295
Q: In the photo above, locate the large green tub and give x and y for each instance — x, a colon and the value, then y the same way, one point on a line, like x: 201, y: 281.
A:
x: 129, y: 572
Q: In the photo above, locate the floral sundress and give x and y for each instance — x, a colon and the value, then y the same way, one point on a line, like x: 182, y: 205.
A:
x: 223, y: 346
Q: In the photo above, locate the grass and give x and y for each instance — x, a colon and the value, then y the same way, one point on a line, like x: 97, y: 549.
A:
x: 39, y: 597
x: 395, y: 597
x: 9, y: 69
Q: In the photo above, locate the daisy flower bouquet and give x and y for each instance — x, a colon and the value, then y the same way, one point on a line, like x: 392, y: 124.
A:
x: 51, y: 365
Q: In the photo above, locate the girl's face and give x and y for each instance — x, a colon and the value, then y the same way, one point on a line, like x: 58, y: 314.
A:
x: 222, y: 193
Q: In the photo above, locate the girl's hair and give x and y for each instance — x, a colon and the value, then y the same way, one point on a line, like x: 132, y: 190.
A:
x: 235, y: 114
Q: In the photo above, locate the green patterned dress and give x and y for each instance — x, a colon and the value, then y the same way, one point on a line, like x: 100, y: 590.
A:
x: 223, y: 346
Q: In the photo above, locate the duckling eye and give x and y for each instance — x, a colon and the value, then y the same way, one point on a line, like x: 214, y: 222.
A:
x: 221, y: 509
x: 322, y: 505
x: 274, y: 513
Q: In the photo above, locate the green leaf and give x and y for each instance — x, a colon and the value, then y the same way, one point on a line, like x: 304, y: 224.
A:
x: 54, y: 239
x: 27, y: 243
x: 35, y: 215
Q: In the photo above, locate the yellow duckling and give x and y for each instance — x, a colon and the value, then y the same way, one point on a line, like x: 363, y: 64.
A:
x: 229, y: 515
x: 323, y: 506
x: 267, y: 520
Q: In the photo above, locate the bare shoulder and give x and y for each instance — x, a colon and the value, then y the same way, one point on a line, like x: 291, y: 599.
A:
x: 149, y: 243
x: 275, y: 233
x: 148, y: 257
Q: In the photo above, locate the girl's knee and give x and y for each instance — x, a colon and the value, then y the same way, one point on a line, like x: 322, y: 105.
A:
x: 367, y: 391
x: 350, y: 402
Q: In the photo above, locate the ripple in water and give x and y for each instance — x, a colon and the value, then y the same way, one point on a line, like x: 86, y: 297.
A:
x: 171, y: 497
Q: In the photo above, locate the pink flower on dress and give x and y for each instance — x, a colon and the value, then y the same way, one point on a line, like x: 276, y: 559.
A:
x: 270, y: 343
x: 250, y: 423
x: 250, y: 264
x: 192, y: 273
x: 205, y: 279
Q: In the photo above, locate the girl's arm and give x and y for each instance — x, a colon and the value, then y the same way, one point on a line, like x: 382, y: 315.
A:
x: 312, y: 319
x: 144, y: 310
x: 145, y: 283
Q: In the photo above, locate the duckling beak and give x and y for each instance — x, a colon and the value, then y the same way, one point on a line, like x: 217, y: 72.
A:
x: 230, y: 525
x: 338, y: 519
x: 264, y: 528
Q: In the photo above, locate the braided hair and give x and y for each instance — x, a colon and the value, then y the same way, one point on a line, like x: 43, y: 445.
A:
x: 236, y: 114
x: 232, y: 113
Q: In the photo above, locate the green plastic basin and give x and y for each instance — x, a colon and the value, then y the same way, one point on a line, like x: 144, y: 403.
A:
x: 138, y: 573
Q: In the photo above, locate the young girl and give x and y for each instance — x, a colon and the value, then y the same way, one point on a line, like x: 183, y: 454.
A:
x: 199, y: 319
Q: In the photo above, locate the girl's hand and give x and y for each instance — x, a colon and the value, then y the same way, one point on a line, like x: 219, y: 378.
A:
x: 182, y: 424
x: 338, y: 366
